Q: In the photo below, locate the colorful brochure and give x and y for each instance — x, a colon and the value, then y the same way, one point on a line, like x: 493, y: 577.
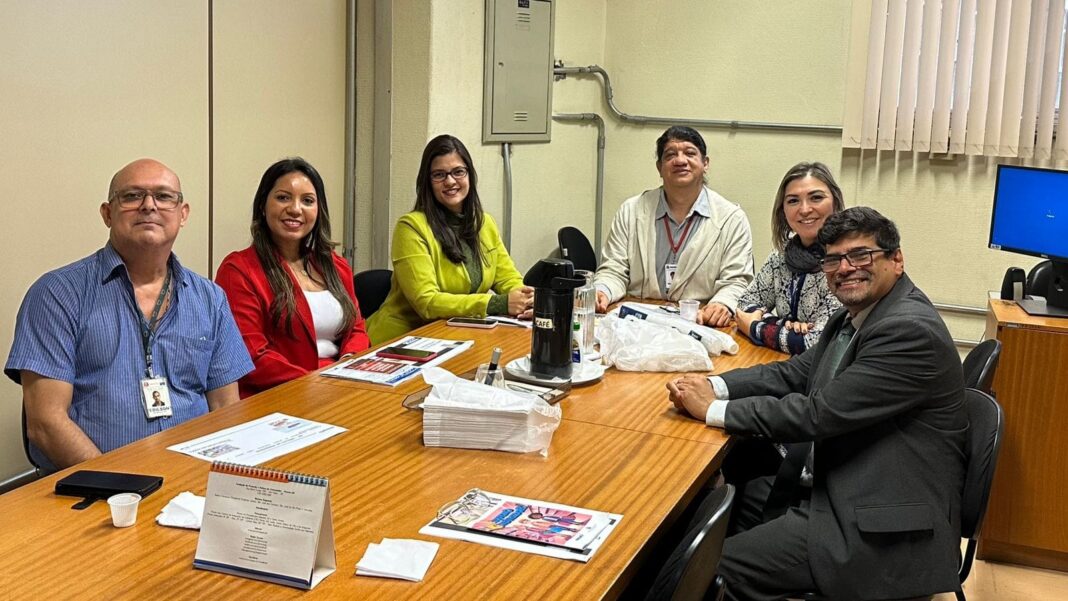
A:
x: 393, y: 370
x: 527, y: 525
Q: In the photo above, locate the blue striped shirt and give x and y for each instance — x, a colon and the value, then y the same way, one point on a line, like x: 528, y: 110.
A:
x: 80, y: 324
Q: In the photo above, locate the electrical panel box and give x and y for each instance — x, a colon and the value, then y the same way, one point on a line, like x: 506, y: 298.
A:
x: 517, y: 96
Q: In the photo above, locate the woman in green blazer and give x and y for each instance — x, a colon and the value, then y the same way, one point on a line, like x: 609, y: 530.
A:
x: 448, y: 257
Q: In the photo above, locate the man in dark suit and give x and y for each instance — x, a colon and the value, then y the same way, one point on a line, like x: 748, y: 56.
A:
x: 874, y: 413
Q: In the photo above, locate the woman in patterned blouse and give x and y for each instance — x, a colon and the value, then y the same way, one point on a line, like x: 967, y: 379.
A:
x: 787, y: 305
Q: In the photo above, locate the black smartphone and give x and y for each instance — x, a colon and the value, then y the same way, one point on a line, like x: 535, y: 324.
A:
x: 472, y: 322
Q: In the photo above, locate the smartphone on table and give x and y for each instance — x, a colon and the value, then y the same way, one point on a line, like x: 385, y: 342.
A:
x: 407, y: 354
x: 472, y: 322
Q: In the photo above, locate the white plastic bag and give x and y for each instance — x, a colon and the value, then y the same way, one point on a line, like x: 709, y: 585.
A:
x: 463, y: 414
x: 632, y: 344
x: 714, y: 341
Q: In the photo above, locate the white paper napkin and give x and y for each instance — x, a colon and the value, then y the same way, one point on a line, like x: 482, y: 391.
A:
x: 184, y: 511
x: 397, y: 558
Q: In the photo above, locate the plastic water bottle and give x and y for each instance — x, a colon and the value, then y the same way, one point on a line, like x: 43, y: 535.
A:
x: 585, y: 309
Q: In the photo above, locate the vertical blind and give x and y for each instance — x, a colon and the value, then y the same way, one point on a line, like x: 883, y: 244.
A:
x: 979, y: 77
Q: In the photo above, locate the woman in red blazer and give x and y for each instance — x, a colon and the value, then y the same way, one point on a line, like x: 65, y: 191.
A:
x: 290, y: 293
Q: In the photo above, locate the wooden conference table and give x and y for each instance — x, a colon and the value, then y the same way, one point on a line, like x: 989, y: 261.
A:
x: 621, y: 447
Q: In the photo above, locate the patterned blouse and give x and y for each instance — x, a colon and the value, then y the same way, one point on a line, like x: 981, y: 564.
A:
x: 787, y: 296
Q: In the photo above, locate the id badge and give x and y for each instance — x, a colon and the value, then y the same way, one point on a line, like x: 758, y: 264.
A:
x: 669, y: 274
x: 156, y: 397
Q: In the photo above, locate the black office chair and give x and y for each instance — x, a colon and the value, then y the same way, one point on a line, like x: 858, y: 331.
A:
x: 980, y: 365
x: 1037, y: 282
x: 576, y: 247
x: 372, y: 287
x: 986, y: 424
x: 690, y: 570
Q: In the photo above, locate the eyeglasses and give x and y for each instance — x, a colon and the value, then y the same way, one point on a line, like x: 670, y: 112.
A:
x: 856, y: 258
x: 467, y: 508
x: 457, y: 174
x: 132, y: 199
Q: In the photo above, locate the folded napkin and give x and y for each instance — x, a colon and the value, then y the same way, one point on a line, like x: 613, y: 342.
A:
x: 184, y: 511
x: 397, y: 558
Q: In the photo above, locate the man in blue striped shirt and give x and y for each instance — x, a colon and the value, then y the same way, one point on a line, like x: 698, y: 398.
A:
x: 97, y: 339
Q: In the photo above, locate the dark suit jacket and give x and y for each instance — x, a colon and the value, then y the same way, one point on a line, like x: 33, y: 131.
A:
x: 889, y: 429
x: 279, y: 355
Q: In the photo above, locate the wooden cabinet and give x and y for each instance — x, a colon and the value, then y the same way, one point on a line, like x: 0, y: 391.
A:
x: 1027, y: 518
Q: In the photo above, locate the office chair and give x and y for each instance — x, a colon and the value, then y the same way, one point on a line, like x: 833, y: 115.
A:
x: 690, y: 570
x: 986, y: 424
x: 1037, y: 283
x: 372, y: 287
x: 576, y: 247
x: 980, y: 365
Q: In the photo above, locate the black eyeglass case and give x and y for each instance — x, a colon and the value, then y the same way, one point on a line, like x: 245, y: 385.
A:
x: 93, y: 486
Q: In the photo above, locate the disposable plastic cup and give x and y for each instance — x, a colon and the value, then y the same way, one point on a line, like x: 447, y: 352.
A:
x: 495, y: 376
x: 688, y: 309
x: 124, y: 509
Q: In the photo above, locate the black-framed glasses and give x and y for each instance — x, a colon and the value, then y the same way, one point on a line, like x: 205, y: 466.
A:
x: 457, y: 174
x: 856, y: 258
x: 135, y: 197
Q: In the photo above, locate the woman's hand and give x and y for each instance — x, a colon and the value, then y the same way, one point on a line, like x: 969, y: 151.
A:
x: 520, y: 300
x: 746, y: 319
x: 798, y: 327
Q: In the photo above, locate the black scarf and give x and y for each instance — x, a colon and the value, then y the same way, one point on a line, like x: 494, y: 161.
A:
x: 803, y: 259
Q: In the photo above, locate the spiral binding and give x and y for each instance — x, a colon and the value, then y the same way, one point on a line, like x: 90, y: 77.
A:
x: 267, y: 473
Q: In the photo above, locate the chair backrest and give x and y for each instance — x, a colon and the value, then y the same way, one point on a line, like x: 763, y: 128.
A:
x: 980, y: 365
x: 1037, y: 282
x: 986, y: 423
x: 576, y: 247
x: 691, y: 568
x: 372, y: 287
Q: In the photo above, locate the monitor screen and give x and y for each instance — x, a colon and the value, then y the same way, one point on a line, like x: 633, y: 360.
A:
x: 1030, y: 213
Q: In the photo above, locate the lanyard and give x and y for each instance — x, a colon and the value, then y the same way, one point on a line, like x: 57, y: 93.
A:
x: 149, y: 327
x: 682, y: 239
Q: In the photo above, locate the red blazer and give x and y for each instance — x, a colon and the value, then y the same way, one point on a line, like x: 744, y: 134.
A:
x: 279, y: 356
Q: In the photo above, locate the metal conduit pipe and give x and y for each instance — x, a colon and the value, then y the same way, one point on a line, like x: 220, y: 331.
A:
x: 562, y: 72
x: 598, y: 222
x: 506, y: 227
x: 964, y: 310
x: 960, y: 309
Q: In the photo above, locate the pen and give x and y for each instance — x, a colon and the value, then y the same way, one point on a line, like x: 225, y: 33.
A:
x: 495, y: 359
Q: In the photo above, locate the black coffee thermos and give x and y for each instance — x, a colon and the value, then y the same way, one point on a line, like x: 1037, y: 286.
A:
x: 554, y: 285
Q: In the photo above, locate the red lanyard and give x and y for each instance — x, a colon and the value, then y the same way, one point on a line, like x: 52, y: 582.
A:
x: 671, y: 239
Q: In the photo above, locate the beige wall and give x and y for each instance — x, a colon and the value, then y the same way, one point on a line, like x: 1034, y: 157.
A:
x: 82, y: 96
x: 89, y: 86
x: 437, y: 88
x: 279, y: 91
x: 774, y: 62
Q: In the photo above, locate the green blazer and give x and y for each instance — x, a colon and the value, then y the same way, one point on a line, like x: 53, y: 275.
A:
x: 427, y: 286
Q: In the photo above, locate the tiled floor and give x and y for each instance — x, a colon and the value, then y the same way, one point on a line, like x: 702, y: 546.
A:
x: 1005, y: 582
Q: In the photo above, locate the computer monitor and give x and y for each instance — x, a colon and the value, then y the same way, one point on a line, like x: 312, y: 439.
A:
x: 1030, y: 217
